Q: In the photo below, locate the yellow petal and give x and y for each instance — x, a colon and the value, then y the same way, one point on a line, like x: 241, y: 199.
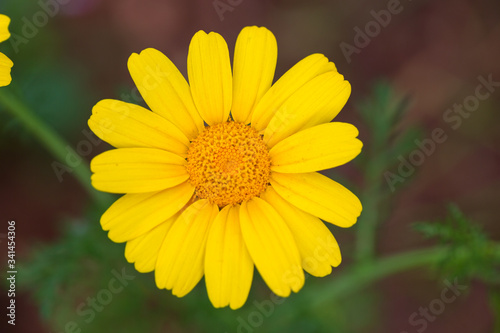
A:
x: 317, y: 148
x: 316, y: 102
x: 180, y: 263
x: 228, y: 266
x: 209, y: 72
x: 165, y: 90
x: 271, y: 246
x: 318, y: 195
x: 143, y: 250
x: 255, y: 56
x: 304, y: 71
x: 137, y: 170
x: 5, y: 67
x: 4, y: 27
x: 135, y: 214
x: 318, y: 248
x: 126, y: 125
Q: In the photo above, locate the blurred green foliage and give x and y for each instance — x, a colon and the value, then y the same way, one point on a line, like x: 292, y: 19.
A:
x: 54, y: 86
x: 464, y: 236
x: 381, y: 112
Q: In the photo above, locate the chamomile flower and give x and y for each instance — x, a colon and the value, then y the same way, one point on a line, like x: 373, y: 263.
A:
x: 221, y: 175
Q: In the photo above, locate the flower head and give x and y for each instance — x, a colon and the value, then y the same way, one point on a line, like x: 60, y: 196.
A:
x: 5, y: 63
x: 221, y: 175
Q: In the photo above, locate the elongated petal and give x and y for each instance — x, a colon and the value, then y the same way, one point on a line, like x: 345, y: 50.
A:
x: 135, y: 214
x: 126, y: 125
x: 137, y: 170
x: 318, y: 248
x: 210, y: 79
x: 5, y: 67
x: 4, y: 27
x: 228, y: 266
x: 271, y: 246
x: 317, y: 148
x: 316, y: 102
x: 144, y: 250
x: 255, y: 56
x: 304, y: 71
x: 165, y: 90
x: 180, y: 263
x: 318, y: 195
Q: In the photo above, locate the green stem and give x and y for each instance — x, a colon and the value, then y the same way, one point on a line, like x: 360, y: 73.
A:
x: 357, y: 277
x: 368, y: 222
x: 50, y: 140
x: 494, y: 296
x: 367, y: 226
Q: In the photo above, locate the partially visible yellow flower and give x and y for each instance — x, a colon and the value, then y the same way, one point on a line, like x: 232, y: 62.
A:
x: 5, y: 63
x: 222, y: 176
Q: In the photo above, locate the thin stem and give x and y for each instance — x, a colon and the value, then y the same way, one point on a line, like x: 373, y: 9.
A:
x: 381, y: 113
x: 367, y: 225
x: 50, y: 140
x: 357, y: 277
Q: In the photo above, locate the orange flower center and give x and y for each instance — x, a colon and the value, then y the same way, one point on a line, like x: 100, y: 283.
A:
x: 228, y: 163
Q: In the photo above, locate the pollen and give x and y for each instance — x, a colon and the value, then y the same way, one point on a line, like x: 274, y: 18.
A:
x: 228, y: 163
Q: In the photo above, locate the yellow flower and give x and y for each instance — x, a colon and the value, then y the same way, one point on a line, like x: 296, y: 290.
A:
x: 221, y: 176
x: 5, y: 63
